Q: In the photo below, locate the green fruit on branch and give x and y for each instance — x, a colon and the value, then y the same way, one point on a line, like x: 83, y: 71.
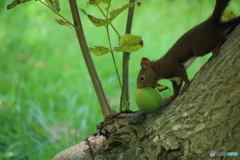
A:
x: 148, y: 99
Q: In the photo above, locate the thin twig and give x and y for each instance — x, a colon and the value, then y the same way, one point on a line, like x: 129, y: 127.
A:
x: 113, y: 58
x: 109, y: 41
x: 107, y: 18
x: 57, y: 13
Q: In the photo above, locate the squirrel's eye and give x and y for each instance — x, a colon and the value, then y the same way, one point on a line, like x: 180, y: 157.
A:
x: 142, y: 78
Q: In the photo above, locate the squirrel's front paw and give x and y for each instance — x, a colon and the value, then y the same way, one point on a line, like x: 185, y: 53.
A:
x: 183, y: 89
x: 167, y: 101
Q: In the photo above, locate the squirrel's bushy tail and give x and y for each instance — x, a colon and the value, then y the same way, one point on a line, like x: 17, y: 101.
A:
x: 230, y: 25
x: 218, y: 10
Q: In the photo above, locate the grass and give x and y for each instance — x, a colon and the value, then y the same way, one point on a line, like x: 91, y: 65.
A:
x: 47, y: 101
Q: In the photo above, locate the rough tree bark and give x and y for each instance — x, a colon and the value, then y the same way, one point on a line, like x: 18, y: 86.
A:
x: 205, y: 118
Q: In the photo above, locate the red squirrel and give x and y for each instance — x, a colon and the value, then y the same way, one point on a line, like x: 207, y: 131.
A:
x: 206, y: 37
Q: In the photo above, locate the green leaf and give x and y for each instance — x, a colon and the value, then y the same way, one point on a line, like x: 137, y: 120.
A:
x: 83, y: 11
x: 15, y: 3
x: 56, y: 5
x: 99, y: 50
x: 129, y: 43
x: 98, y: 22
x: 228, y: 14
x: 114, y: 13
x: 95, y: 2
x: 106, y: 1
x: 53, y: 4
x: 49, y: 3
x: 62, y: 22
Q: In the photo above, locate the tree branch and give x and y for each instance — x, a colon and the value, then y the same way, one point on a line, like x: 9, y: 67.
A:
x: 125, y: 63
x: 88, y: 59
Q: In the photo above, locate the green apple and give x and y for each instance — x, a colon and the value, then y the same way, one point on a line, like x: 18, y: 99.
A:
x: 148, y: 99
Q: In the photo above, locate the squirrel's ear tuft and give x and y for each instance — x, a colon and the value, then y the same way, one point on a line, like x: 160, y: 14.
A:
x: 144, y: 59
x: 145, y: 63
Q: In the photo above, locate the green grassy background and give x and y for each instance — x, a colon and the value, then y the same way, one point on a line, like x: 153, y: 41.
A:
x: 47, y: 101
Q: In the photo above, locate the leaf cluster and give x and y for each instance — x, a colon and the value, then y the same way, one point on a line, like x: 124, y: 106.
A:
x: 53, y: 5
x: 127, y: 42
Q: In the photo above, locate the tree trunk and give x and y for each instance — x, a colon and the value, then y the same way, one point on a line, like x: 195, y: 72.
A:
x: 205, y: 118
